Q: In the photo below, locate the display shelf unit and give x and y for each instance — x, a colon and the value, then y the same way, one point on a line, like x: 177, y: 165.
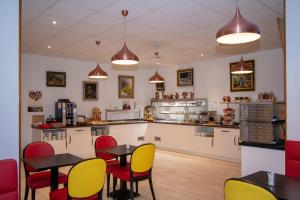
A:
x: 179, y: 109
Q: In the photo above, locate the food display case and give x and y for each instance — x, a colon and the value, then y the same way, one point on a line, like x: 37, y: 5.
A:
x: 182, y: 110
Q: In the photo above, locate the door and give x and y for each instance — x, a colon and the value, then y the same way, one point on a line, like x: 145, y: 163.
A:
x: 226, y: 144
x: 79, y: 141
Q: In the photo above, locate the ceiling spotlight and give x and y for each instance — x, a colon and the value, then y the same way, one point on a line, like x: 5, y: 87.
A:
x: 201, y: 54
x: 54, y: 22
x: 49, y: 46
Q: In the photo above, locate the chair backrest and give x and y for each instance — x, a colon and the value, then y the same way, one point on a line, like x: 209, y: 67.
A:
x: 8, y: 180
x: 236, y: 189
x: 36, y: 149
x: 142, y: 158
x: 105, y: 141
x: 292, y: 158
x: 86, y: 178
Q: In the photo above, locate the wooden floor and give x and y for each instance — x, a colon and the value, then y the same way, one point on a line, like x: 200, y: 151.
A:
x: 177, y: 177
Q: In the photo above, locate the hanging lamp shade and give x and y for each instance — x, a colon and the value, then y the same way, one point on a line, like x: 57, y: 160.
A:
x: 241, y: 68
x: 238, y: 31
x: 156, y: 78
x: 98, y: 73
x: 125, y: 57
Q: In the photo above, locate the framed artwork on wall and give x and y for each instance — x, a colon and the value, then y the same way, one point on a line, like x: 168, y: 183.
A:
x: 126, y: 87
x: 160, y: 86
x: 90, y: 90
x: 242, y: 82
x: 185, y: 77
x: 55, y: 79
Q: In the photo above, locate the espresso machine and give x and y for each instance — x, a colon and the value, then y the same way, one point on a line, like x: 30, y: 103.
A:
x: 66, y: 112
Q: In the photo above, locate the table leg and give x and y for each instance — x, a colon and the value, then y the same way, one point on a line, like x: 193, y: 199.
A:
x: 54, y: 178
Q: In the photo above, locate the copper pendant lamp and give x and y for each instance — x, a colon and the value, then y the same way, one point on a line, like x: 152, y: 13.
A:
x: 238, y: 31
x: 241, y: 68
x: 125, y: 56
x: 156, y: 78
x: 97, y: 73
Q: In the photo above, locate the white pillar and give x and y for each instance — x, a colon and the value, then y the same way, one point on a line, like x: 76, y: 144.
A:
x: 293, y: 68
x: 9, y: 81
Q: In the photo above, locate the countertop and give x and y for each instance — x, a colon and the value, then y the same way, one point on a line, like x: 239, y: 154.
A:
x: 123, y: 122
x: 277, y: 146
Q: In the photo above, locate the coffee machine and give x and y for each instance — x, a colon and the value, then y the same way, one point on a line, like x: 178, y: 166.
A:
x: 66, y: 112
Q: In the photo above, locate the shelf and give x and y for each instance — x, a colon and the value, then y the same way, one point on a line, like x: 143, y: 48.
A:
x: 181, y: 106
x: 180, y: 113
x: 178, y: 100
x: 120, y: 110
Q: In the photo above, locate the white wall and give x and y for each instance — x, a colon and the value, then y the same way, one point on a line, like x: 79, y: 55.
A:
x: 212, y: 77
x: 292, y: 68
x: 34, y: 69
x: 9, y: 82
x: 211, y: 80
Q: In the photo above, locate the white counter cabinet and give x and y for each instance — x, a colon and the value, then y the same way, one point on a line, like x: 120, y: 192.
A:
x: 226, y: 144
x: 204, y: 146
x: 134, y: 134
x: 77, y: 141
x: 174, y: 137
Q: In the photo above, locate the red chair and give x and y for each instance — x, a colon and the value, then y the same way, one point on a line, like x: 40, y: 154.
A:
x: 8, y: 180
x: 102, y: 142
x: 38, y: 179
x: 292, y: 158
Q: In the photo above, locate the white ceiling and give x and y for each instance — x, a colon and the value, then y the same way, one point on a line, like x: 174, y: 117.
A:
x: 179, y: 30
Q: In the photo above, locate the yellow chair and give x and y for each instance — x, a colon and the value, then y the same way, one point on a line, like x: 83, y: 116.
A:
x: 237, y: 189
x: 140, y: 168
x: 85, y: 181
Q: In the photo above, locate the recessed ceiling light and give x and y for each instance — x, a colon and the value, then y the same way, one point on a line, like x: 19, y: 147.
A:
x: 54, y: 22
x: 201, y: 54
x: 49, y: 46
x: 157, y: 63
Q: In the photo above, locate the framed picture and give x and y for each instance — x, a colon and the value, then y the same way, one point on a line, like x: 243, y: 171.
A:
x: 56, y: 79
x: 126, y: 87
x: 242, y: 82
x: 185, y: 77
x: 90, y: 90
x: 160, y: 86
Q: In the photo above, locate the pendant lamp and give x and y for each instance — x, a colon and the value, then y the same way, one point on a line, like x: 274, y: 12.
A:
x: 238, y: 31
x: 125, y: 56
x: 241, y: 68
x: 98, y: 73
x: 156, y: 78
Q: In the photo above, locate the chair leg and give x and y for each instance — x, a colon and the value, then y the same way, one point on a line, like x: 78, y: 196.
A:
x: 131, y: 190
x: 114, y: 187
x: 151, y: 187
x: 26, y: 192
x: 107, y: 184
x: 137, y: 187
x: 100, y: 195
x: 32, y: 194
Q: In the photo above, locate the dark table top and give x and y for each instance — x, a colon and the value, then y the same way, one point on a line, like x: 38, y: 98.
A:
x: 57, y: 160
x: 119, y: 150
x: 285, y: 187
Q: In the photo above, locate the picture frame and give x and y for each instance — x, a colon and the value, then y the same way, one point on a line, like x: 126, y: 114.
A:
x: 185, y: 77
x: 126, y: 87
x: 242, y: 82
x: 160, y: 86
x: 55, y: 79
x: 90, y: 90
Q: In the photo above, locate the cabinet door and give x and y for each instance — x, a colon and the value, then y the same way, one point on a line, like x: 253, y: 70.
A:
x: 133, y: 134
x: 79, y: 141
x: 59, y: 146
x: 226, y: 144
x: 204, y: 146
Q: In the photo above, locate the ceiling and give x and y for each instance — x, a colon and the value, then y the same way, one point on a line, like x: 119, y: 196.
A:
x: 179, y: 30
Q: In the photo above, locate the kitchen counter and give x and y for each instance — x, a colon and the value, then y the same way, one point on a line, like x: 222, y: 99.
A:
x: 195, y: 124
x: 280, y: 146
x: 121, y: 122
